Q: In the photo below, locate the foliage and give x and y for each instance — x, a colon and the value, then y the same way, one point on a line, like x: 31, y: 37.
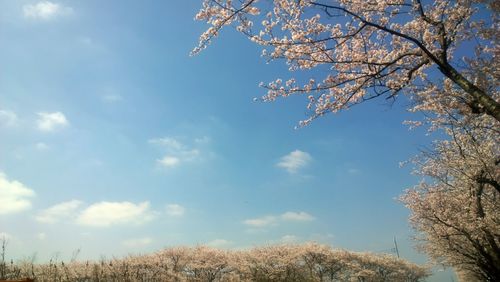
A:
x: 308, y: 262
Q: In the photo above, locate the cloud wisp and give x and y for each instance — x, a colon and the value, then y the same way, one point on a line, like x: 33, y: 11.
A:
x: 48, y: 122
x: 271, y: 220
x: 169, y: 161
x: 8, y: 118
x: 45, y: 10
x: 40, y: 146
x: 297, y: 216
x: 137, y: 242
x: 175, y: 210
x: 219, y: 243
x: 261, y: 221
x: 176, y: 152
x: 294, y: 161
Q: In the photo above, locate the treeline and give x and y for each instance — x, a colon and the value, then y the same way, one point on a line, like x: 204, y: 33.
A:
x: 301, y: 263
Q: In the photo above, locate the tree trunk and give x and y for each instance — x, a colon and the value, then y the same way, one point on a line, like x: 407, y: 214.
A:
x: 491, y: 107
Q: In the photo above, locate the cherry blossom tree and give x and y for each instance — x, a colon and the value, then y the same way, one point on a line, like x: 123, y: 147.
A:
x: 456, y: 208
x: 207, y: 264
x: 443, y: 55
x: 301, y: 263
x: 373, y: 48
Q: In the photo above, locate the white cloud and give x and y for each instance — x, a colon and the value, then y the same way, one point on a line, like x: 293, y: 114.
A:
x: 139, y: 242
x: 270, y: 220
x: 51, y: 121
x: 176, y: 152
x: 219, y: 243
x: 169, y: 143
x: 294, y: 161
x: 175, y: 210
x: 261, y: 221
x: 169, y: 161
x: 14, y: 196
x: 190, y: 155
x: 45, y: 10
x: 59, y: 212
x: 8, y: 118
x: 104, y: 214
x: 297, y: 216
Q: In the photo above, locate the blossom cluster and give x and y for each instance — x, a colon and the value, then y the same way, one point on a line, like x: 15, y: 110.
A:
x: 367, y: 48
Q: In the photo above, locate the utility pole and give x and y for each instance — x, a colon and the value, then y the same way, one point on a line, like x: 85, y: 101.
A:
x: 396, y: 246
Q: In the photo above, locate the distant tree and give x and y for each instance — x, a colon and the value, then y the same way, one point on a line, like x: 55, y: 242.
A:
x: 272, y: 264
x: 373, y: 48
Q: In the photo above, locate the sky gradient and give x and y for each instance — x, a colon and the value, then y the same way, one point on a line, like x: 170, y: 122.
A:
x: 113, y: 140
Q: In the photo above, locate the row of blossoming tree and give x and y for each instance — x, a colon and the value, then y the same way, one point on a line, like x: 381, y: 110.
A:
x: 442, y: 55
x: 301, y: 263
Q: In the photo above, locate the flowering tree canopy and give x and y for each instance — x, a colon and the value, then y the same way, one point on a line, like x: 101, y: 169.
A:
x: 456, y: 209
x: 300, y: 263
x: 372, y: 48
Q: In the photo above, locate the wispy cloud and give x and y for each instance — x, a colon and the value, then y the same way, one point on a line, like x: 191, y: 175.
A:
x: 202, y: 140
x: 8, y: 118
x: 169, y: 143
x: 14, y: 196
x: 219, y: 243
x: 175, y: 210
x: 270, y: 220
x: 41, y: 146
x: 261, y: 221
x: 297, y: 216
x: 176, y: 152
x: 48, y: 122
x: 169, y: 161
x: 104, y: 214
x: 137, y: 242
x: 294, y: 161
x: 59, y: 212
x: 45, y: 10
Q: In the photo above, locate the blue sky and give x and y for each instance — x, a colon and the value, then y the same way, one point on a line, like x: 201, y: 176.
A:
x: 115, y: 141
